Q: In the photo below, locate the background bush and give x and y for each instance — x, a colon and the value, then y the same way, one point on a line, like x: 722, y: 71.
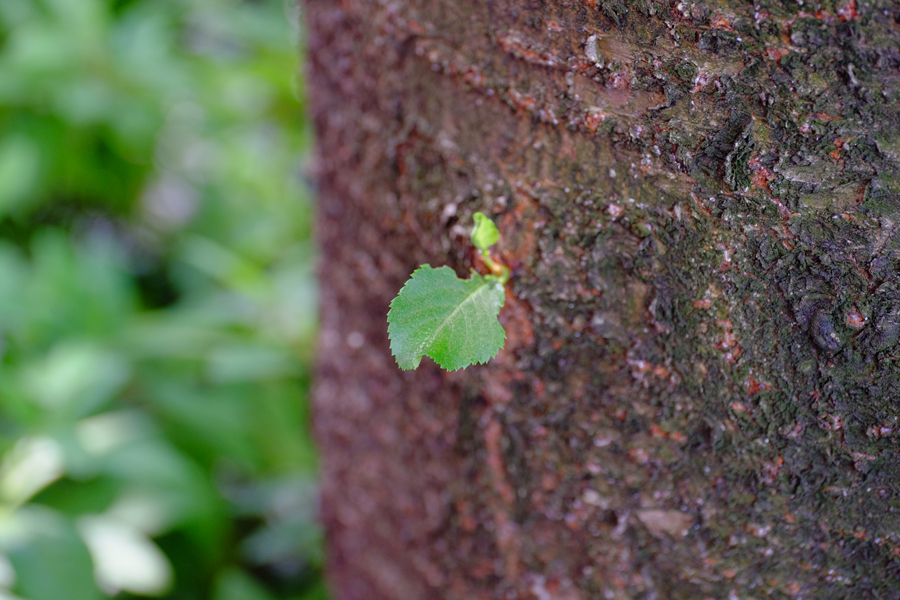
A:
x: 157, y: 304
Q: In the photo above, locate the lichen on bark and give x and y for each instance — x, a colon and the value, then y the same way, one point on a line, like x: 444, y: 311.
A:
x: 701, y: 203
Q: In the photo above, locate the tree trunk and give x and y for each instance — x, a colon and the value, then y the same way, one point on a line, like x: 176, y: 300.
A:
x: 700, y: 390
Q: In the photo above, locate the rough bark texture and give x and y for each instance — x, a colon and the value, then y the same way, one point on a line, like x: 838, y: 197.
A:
x: 700, y: 201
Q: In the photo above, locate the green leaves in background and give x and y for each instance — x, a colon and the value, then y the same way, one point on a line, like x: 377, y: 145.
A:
x: 454, y: 321
x: 157, y: 302
x: 49, y: 558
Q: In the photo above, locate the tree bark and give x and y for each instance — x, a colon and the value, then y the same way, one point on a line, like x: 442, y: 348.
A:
x: 700, y: 201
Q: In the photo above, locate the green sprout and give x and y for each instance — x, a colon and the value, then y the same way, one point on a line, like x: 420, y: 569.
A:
x: 452, y: 320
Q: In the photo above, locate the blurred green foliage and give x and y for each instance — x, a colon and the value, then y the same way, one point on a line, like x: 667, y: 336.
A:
x: 157, y: 303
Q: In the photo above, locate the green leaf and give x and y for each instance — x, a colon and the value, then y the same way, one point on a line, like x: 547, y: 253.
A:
x: 452, y: 320
x: 49, y: 558
x: 485, y: 233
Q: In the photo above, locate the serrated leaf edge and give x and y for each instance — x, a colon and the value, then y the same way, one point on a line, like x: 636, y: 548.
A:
x: 419, y: 350
x: 487, y: 282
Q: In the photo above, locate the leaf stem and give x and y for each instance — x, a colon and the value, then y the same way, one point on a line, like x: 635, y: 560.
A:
x: 498, y: 269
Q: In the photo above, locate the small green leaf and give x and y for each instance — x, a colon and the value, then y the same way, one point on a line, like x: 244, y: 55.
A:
x: 484, y: 234
x: 452, y: 320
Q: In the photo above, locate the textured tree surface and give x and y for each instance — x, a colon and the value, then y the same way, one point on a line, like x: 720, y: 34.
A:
x: 700, y: 392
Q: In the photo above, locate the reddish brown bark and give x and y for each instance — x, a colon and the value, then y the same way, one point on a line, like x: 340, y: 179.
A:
x: 699, y: 202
